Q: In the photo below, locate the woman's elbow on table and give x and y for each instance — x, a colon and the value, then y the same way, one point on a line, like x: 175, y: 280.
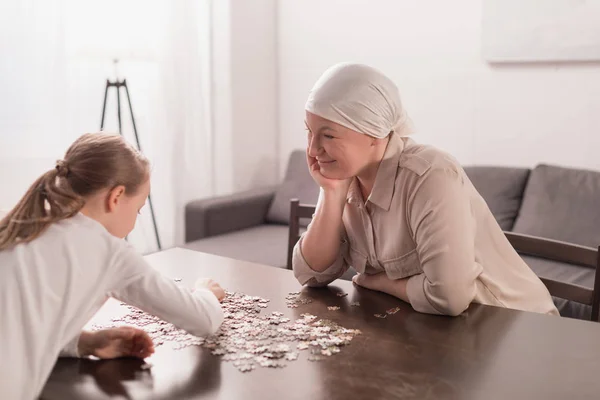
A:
x: 314, y: 283
x: 445, y: 298
x: 306, y: 278
x: 453, y: 300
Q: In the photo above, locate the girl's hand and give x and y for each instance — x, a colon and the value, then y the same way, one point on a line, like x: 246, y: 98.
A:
x: 212, y: 286
x: 116, y: 342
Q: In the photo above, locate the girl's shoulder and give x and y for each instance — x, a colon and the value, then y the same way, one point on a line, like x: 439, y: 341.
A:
x: 85, y: 233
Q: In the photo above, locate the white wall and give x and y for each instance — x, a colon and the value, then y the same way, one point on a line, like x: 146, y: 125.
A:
x: 244, y: 94
x: 519, y: 114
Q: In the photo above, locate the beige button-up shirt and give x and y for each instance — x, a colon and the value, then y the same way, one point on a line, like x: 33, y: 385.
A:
x: 425, y: 221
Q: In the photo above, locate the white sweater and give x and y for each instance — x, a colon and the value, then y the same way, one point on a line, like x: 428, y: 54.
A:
x: 51, y: 287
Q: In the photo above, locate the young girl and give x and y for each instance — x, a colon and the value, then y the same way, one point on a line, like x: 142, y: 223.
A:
x: 62, y: 254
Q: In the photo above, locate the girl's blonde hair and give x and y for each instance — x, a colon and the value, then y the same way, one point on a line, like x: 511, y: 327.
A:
x: 95, y: 161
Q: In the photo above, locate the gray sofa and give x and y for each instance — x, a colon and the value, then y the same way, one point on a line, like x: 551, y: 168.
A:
x: 547, y: 201
x: 252, y: 225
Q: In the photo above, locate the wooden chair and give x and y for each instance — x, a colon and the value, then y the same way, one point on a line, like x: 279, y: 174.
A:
x: 568, y: 253
x: 297, y: 211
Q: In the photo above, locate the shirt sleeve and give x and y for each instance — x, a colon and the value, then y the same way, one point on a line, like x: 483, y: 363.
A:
x: 71, y: 349
x: 198, y: 312
x: 309, y: 277
x: 444, y: 230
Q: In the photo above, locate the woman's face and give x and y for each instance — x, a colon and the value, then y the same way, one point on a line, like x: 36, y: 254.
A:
x: 341, y: 152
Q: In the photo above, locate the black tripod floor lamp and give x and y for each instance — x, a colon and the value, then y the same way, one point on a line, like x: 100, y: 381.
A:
x: 118, y: 84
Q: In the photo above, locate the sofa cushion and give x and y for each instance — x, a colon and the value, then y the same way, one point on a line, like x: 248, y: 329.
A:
x: 565, y: 273
x: 502, y: 189
x: 264, y: 244
x: 562, y: 204
x: 298, y: 184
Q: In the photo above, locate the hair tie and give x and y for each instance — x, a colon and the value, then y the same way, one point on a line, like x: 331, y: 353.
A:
x: 62, y: 168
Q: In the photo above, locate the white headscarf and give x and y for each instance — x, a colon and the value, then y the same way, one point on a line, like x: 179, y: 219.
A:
x: 360, y: 98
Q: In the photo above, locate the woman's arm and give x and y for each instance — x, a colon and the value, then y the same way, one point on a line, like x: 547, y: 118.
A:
x: 444, y: 231
x: 440, y: 216
x: 318, y: 256
x: 321, y: 243
x: 381, y: 283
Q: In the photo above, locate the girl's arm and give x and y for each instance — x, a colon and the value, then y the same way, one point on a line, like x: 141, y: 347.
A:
x: 198, y: 312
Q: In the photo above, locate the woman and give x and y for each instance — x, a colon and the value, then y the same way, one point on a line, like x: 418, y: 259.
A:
x: 404, y: 215
x: 62, y: 254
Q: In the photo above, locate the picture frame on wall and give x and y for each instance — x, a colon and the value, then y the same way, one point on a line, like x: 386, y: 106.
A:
x: 541, y: 30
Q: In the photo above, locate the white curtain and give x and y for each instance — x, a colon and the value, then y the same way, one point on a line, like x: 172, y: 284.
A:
x: 186, y: 108
x: 56, y: 57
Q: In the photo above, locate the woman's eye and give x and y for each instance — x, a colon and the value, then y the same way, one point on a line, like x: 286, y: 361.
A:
x: 328, y: 136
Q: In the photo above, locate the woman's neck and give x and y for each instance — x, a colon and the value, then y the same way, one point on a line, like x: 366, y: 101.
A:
x: 366, y: 178
x: 366, y: 181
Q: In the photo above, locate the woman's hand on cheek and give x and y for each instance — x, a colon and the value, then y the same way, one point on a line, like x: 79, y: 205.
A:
x: 340, y: 186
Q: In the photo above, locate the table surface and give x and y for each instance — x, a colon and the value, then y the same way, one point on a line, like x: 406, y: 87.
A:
x: 485, y: 353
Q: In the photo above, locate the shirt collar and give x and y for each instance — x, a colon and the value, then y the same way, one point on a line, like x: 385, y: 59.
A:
x: 383, y: 189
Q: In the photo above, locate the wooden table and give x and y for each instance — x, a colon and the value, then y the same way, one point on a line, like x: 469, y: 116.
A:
x: 486, y: 353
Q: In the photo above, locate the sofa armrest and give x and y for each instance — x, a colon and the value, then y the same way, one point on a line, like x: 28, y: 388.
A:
x: 218, y: 215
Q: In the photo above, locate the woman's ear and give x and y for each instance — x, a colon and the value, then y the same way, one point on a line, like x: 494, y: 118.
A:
x: 115, y: 196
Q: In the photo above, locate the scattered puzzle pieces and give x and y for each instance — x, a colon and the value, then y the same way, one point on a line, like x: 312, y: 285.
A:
x: 248, y: 339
